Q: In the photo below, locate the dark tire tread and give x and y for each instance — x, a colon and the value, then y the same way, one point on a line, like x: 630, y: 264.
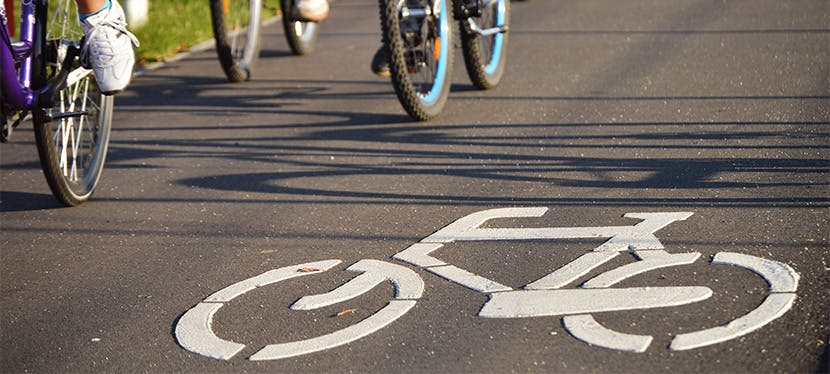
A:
x: 234, y: 71
x: 472, y: 56
x: 393, y: 42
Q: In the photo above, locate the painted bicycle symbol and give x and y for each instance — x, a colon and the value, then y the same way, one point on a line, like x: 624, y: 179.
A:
x: 543, y: 297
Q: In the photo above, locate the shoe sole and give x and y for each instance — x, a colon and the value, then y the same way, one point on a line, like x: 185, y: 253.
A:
x: 115, y: 92
x: 112, y: 93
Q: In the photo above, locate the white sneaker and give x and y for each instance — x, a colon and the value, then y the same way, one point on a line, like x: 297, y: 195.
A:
x: 108, y: 49
x: 311, y: 10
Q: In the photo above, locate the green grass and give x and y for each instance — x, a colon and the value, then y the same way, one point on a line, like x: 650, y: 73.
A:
x: 174, y: 26
x: 177, y: 25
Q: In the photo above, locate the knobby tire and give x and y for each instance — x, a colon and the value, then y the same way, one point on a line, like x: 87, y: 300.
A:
x: 411, y: 99
x: 484, y: 60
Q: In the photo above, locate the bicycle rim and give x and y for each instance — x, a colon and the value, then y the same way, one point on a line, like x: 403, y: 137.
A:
x: 420, y: 51
x: 237, y: 28
x: 72, y: 147
x: 485, y: 55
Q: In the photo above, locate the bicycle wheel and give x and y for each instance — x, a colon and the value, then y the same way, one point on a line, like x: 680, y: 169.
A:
x: 236, y: 28
x: 301, y: 36
x: 417, y: 35
x: 484, y: 46
x: 72, y: 136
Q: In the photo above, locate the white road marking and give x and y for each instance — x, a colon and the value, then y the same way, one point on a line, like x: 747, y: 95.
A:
x: 543, y: 297
x: 572, y: 271
x: 272, y: 276
x: 392, y: 311
x: 774, y: 306
x: 585, y: 328
x: 418, y: 255
x: 468, y: 279
x: 641, y: 236
x: 649, y: 260
x: 459, y: 228
x: 780, y: 277
x: 538, y: 303
x: 783, y: 282
x: 408, y: 285
x: 622, y: 238
x: 194, y: 332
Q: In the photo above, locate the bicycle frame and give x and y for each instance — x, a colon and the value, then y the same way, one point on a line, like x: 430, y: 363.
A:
x: 22, y: 80
x: 469, y: 11
x: 16, y: 86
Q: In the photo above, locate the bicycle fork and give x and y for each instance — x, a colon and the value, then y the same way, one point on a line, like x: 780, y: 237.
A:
x: 470, y: 9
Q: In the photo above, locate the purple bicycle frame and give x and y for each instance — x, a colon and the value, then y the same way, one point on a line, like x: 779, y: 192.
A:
x: 15, y: 88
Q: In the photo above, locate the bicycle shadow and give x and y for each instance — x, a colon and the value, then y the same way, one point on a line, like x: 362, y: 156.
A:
x: 299, y: 118
x: 15, y: 201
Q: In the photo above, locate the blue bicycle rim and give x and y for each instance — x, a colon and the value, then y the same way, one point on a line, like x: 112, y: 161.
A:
x: 441, y: 76
x: 493, y: 65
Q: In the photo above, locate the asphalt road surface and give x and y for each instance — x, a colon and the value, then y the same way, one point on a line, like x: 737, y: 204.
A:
x: 716, y: 108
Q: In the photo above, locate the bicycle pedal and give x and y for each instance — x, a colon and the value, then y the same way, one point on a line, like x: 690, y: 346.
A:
x: 16, y: 118
x: 5, y: 133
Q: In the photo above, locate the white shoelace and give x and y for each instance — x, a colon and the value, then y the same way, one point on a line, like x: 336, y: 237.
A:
x: 116, y: 24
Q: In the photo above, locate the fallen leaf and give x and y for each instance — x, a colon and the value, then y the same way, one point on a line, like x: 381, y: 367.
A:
x: 345, y: 312
x: 308, y: 270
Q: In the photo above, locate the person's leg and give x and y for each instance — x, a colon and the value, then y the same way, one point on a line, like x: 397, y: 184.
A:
x: 380, y: 62
x: 90, y: 6
x: 8, y: 7
x: 108, y: 49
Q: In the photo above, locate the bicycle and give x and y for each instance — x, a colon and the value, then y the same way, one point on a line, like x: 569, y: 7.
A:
x: 418, y: 38
x: 545, y: 297
x: 41, y: 74
x: 237, y: 29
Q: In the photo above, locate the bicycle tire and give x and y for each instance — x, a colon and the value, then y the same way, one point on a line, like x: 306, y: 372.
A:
x: 237, y: 28
x: 72, y: 150
x: 301, y: 36
x: 486, y: 56
x: 422, y: 90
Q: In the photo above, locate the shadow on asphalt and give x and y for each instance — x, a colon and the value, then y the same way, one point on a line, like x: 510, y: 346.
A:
x: 410, y: 149
x: 13, y: 201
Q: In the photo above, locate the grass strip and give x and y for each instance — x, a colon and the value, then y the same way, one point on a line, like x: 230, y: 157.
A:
x: 174, y: 26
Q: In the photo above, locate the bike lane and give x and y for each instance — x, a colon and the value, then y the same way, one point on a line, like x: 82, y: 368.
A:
x: 210, y: 184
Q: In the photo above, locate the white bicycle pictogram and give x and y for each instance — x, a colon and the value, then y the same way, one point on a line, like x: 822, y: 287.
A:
x: 543, y: 297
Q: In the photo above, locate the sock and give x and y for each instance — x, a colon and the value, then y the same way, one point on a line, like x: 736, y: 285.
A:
x: 84, y: 16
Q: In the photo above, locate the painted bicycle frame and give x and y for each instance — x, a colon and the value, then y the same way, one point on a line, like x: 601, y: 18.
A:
x: 23, y: 85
